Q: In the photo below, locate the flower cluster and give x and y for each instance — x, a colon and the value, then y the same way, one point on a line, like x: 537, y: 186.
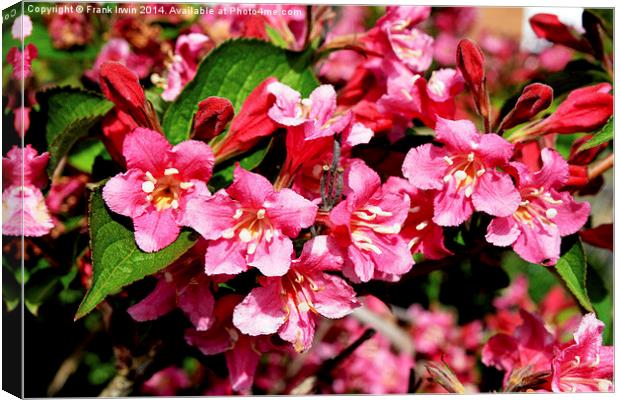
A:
x: 341, y: 221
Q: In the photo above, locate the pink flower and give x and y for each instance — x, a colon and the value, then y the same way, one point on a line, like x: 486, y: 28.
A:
x: 22, y: 62
x: 317, y: 114
x: 584, y: 364
x: 366, y: 226
x: 419, y: 231
x: 544, y: 214
x: 119, y: 50
x: 22, y: 27
x: 167, y: 382
x: 290, y: 304
x: 69, y: 29
x: 188, y: 51
x: 289, y: 21
x: 159, y: 181
x: 464, y: 173
x: 242, y: 352
x: 23, y: 206
x: 531, y: 346
x: 249, y: 224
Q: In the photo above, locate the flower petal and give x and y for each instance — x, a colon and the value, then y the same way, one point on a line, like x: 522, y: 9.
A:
x: 495, y: 194
x: 249, y: 188
x: 225, y: 256
x: 159, y: 302
x: 273, y: 258
x: 194, y: 160
x: 291, y: 212
x: 144, y: 149
x: 242, y: 361
x: 502, y: 231
x: 155, y: 230
x: 261, y: 312
x: 210, y: 215
x: 123, y: 194
x: 425, y: 167
x: 336, y: 298
x: 197, y: 302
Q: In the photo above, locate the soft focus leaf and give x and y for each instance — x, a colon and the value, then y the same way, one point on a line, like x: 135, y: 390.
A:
x: 604, y: 135
x: 40, y: 287
x: 117, y: 261
x: 232, y: 71
x: 84, y: 154
x: 572, y: 268
x: 72, y: 112
x: 540, y: 279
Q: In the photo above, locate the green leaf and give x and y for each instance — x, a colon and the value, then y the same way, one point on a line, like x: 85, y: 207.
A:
x: 232, y: 71
x: 604, y: 135
x: 84, y: 154
x: 40, y: 287
x: 540, y: 278
x: 72, y: 112
x: 224, y: 176
x: 117, y: 261
x: 572, y: 268
x: 275, y: 37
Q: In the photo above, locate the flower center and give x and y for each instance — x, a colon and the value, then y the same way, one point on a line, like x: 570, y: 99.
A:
x: 164, y: 192
x: 299, y: 288
x: 465, y: 169
x: 252, y: 227
x: 537, y: 206
x: 368, y: 219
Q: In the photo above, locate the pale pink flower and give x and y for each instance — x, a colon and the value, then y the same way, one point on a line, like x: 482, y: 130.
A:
x: 544, y: 214
x: 159, y: 181
x: 317, y: 114
x: 291, y: 304
x: 249, y: 225
x: 167, y: 382
x: 464, y: 173
x: 584, y: 364
x: 119, y: 50
x: 366, y: 226
x: 22, y: 27
x: 189, y: 50
x: 22, y: 61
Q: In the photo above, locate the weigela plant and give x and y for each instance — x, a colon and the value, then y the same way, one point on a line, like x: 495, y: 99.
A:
x: 295, y: 199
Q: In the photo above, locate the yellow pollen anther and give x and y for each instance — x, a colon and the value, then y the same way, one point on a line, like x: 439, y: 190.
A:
x: 171, y: 171
x: 260, y: 214
x: 148, y: 186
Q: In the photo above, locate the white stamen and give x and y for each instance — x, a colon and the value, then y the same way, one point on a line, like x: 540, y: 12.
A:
x: 175, y: 204
x: 448, y: 160
x: 148, y: 186
x: 414, y: 209
x: 364, y: 216
x: 377, y: 210
x: 238, y: 213
x: 577, y: 361
x: 387, y: 229
x: 228, y: 233
x: 524, y: 203
x: 245, y: 235
x: 260, y: 214
x: 150, y: 176
x: 171, y: 171
x: 460, y: 175
x: 551, y: 212
x: 252, y: 248
x: 421, y: 225
x: 447, y: 178
x: 604, y: 385
x: 268, y: 235
x: 303, y: 307
x: 306, y: 102
x: 480, y: 172
x: 473, y: 144
x: 597, y: 361
x: 186, y: 185
x: 149, y: 197
x: 413, y: 242
x: 469, y: 191
x: 470, y: 157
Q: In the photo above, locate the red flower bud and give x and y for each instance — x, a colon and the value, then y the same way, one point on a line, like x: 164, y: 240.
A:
x: 121, y: 86
x: 470, y: 63
x: 214, y: 113
x: 584, y: 157
x: 116, y: 125
x: 534, y: 99
x: 250, y: 125
x: 549, y: 27
x: 602, y: 236
x: 584, y: 110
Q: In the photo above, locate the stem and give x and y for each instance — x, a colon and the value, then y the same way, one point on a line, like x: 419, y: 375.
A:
x: 602, y: 166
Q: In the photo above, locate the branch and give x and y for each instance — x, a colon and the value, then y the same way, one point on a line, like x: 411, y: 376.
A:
x: 600, y: 168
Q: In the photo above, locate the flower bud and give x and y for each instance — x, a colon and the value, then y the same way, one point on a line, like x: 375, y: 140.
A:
x: 121, y: 86
x: 470, y: 62
x: 534, y: 99
x: 214, y: 114
x: 549, y: 27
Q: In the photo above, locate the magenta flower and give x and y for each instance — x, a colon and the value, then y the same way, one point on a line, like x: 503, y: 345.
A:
x: 24, y: 211
x: 366, y: 226
x: 464, y: 173
x: 119, y: 50
x: 22, y: 61
x: 290, y: 305
x: 317, y: 114
x: 159, y: 181
x: 584, y: 364
x: 544, y: 214
x: 249, y: 224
